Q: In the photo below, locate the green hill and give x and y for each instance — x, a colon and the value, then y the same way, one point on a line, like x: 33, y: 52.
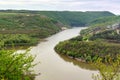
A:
x: 26, y: 28
x: 75, y: 18
x: 101, y: 24
x: 72, y: 18
x: 23, y: 21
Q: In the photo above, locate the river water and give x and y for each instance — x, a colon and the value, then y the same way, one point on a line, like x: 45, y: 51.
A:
x: 53, y: 66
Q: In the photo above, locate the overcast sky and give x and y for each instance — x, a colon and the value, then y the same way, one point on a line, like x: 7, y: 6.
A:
x: 61, y: 5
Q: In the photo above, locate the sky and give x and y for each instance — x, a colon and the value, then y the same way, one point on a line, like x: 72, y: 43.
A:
x: 62, y: 5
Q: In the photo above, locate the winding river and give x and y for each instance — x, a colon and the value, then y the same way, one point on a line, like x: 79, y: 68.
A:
x: 58, y: 67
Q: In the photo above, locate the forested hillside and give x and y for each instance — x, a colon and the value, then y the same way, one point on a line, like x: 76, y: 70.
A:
x: 72, y: 18
x: 23, y: 21
x: 26, y: 28
x: 101, y: 24
x: 76, y: 18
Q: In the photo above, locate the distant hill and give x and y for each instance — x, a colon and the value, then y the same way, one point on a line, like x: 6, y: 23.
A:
x: 76, y: 18
x: 72, y: 18
x: 101, y: 24
x: 24, y: 22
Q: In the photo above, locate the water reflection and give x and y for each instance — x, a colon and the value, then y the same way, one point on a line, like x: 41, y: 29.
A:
x: 82, y: 65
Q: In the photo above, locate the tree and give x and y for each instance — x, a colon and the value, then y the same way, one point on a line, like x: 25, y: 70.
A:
x: 16, y: 66
x: 109, y: 70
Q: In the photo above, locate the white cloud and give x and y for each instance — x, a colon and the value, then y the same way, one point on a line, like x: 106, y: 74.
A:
x: 78, y: 5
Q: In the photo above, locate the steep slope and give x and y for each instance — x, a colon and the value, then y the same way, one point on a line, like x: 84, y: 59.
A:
x: 25, y: 28
x: 19, y: 21
x: 101, y: 24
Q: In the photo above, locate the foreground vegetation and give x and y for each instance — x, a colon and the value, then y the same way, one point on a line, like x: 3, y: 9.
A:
x: 110, y: 70
x: 16, y: 66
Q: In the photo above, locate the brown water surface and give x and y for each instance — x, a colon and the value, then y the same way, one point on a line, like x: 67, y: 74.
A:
x: 58, y: 67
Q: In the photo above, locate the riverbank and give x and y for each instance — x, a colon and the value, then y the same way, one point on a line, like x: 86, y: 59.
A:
x: 21, y: 39
x: 88, y: 51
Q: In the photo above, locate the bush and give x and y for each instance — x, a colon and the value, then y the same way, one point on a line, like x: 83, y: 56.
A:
x: 110, y: 70
x: 16, y: 66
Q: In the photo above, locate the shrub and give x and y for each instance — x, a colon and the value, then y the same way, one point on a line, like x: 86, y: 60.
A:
x: 16, y: 66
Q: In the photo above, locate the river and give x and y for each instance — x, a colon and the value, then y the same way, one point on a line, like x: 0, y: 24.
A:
x: 53, y: 66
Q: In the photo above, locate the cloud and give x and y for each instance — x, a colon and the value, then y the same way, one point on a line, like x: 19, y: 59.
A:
x: 78, y: 5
